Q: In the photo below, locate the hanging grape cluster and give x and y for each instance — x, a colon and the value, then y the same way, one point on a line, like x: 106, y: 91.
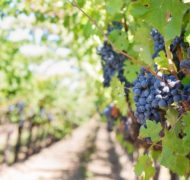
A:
x: 112, y: 62
x: 158, y: 42
x: 154, y: 94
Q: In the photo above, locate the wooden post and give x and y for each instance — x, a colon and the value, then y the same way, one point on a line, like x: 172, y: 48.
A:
x: 18, y: 143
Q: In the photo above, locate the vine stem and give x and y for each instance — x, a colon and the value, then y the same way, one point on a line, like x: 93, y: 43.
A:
x: 74, y: 4
x: 132, y: 59
x: 151, y: 143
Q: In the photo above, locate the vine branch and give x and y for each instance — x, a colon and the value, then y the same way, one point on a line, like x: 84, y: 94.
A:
x: 132, y: 59
x: 75, y: 4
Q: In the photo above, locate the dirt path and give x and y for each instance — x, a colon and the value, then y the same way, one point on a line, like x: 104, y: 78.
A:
x: 91, y: 153
x: 109, y: 161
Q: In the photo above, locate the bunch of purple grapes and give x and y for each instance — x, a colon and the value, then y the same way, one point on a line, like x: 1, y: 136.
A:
x: 178, y: 44
x: 112, y: 62
x: 185, y: 64
x: 178, y: 41
x: 153, y: 95
x: 109, y: 119
x: 158, y: 42
x: 114, y: 26
x: 186, y: 94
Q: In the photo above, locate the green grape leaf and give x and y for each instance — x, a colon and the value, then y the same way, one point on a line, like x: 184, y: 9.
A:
x: 114, y: 6
x: 143, y: 49
x: 131, y: 100
x: 81, y: 2
x: 175, y: 148
x: 153, y: 129
x: 118, y: 94
x: 164, y: 15
x: 182, y: 165
x: 131, y: 71
x: 171, y: 116
x: 155, y: 154
x: 176, y: 145
x: 186, y: 144
x: 177, y: 163
x: 162, y: 61
x: 186, y: 120
x: 187, y: 29
x: 137, y: 10
x: 167, y: 158
x: 119, y: 39
x: 87, y: 30
x: 168, y: 26
x: 186, y: 80
x: 144, y: 164
x: 173, y: 142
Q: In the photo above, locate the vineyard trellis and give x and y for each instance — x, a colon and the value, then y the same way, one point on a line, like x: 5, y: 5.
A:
x: 145, y: 64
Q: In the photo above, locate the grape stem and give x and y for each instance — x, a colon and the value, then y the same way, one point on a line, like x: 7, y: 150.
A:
x: 179, y: 53
x: 75, y: 4
x: 132, y: 59
x: 171, y: 64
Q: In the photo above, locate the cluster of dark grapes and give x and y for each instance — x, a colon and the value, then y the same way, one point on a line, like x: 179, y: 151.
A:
x: 112, y: 62
x: 185, y: 64
x: 109, y: 119
x: 153, y: 94
x: 115, y: 26
x: 177, y: 45
x: 186, y: 94
x: 158, y: 42
x: 19, y: 107
x: 178, y: 41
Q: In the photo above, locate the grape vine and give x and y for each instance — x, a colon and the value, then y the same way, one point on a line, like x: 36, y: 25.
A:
x: 161, y: 96
x: 153, y: 35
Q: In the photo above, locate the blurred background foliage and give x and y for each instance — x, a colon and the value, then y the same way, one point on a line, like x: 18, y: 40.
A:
x: 46, y: 65
x: 49, y: 72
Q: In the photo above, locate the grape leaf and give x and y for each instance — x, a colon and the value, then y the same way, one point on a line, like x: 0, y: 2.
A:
x: 119, y: 39
x: 173, y: 142
x: 170, y: 27
x: 131, y: 75
x: 137, y: 10
x: 186, y: 144
x: 164, y: 15
x: 167, y: 158
x: 171, y: 116
x: 162, y: 61
x: 186, y: 119
x: 152, y: 130
x: 155, y: 154
x: 131, y: 100
x: 175, y: 149
x: 143, y: 49
x: 179, y: 146
x: 177, y: 163
x: 114, y: 6
x: 87, y: 29
x: 118, y: 94
x: 81, y: 2
x: 186, y: 80
x: 144, y: 164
